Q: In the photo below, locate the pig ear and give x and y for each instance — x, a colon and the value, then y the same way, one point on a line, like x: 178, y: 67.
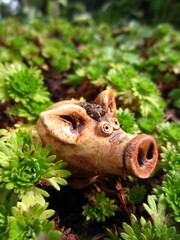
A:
x: 107, y: 100
x: 65, y: 123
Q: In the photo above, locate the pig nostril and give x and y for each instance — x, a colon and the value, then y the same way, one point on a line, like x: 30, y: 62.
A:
x: 150, y: 151
x: 140, y: 157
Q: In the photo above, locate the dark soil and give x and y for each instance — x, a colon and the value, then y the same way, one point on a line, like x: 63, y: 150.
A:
x: 68, y: 206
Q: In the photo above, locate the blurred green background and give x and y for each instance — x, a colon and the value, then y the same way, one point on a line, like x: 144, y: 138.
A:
x: 112, y: 11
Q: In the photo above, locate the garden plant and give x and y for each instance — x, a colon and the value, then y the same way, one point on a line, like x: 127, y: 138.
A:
x: 45, y: 60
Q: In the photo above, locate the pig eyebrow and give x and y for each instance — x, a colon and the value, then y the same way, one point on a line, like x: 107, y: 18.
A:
x: 122, y: 139
x: 114, y: 137
x: 95, y: 111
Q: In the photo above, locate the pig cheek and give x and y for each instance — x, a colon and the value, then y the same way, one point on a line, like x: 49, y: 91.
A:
x: 83, y: 166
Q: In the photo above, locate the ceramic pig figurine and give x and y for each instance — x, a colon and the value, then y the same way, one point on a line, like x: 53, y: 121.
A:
x: 90, y: 139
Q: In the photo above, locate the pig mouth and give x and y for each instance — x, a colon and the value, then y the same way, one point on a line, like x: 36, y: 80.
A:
x: 140, y: 156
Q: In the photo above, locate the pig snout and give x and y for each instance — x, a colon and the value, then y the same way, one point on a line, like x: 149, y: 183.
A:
x: 140, y: 156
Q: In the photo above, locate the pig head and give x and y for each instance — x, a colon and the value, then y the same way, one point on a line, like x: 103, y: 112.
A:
x: 90, y: 139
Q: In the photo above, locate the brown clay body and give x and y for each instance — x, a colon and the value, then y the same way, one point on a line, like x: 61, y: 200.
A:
x: 89, y: 138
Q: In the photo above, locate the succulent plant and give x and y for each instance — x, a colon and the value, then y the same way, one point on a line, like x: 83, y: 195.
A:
x: 169, y: 132
x: 136, y: 194
x: 24, y: 165
x: 170, y: 157
x: 99, y: 208
x: 32, y: 224
x: 25, y: 86
x: 127, y: 120
x: 145, y: 229
x: 172, y: 194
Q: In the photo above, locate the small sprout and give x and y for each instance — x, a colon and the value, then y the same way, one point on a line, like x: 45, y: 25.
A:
x: 32, y: 223
x: 147, y: 230
x: 112, y: 234
x: 136, y: 194
x: 22, y: 222
x: 99, y: 207
x: 24, y: 166
x: 157, y: 211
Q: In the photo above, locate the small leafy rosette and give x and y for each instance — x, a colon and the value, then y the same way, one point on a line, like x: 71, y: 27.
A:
x: 25, y: 166
x: 25, y: 86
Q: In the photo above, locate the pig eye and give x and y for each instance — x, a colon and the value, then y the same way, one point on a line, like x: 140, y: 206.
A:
x: 115, y: 123
x: 106, y: 128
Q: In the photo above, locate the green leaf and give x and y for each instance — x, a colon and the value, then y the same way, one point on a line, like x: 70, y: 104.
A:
x: 99, y: 207
x: 32, y: 197
x: 128, y: 230
x: 47, y: 214
x: 14, y: 229
x: 54, y: 235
